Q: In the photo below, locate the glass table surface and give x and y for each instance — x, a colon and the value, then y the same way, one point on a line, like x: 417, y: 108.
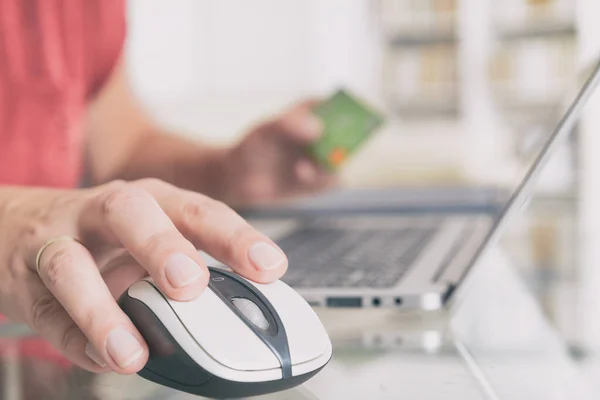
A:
x: 493, y: 343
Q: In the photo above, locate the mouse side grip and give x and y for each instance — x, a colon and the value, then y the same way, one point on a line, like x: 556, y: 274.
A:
x: 167, y: 364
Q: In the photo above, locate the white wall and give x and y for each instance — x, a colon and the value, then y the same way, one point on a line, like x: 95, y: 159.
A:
x: 590, y: 185
x: 211, y: 67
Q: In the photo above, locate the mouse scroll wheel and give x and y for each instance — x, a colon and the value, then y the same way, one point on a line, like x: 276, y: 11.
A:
x: 251, y: 311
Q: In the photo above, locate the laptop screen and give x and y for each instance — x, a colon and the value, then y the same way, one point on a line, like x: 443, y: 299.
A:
x: 542, y: 145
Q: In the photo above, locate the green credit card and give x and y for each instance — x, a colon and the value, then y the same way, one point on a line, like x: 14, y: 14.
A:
x: 347, y: 124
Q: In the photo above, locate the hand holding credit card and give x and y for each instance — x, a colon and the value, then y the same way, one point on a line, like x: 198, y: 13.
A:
x: 347, y: 124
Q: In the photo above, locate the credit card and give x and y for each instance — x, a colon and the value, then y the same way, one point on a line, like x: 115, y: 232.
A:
x: 347, y: 124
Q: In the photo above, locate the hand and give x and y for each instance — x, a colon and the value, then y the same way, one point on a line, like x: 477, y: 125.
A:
x: 127, y: 231
x: 271, y: 162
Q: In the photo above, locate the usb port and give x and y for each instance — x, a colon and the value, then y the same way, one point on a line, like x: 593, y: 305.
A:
x: 344, y: 302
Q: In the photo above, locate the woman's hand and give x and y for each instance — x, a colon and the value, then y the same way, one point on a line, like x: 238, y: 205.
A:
x: 271, y: 162
x: 127, y: 231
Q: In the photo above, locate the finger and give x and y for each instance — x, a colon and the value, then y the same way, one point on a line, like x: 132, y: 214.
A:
x: 306, y: 172
x: 307, y: 104
x: 143, y: 228
x: 311, y: 176
x: 46, y: 316
x: 69, y: 272
x: 120, y: 274
x: 221, y: 232
x: 300, y: 124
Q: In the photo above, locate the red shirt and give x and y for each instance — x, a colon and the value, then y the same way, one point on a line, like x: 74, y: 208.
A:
x: 54, y: 57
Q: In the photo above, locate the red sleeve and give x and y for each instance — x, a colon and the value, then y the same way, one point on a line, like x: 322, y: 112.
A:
x: 108, y: 24
x: 54, y: 56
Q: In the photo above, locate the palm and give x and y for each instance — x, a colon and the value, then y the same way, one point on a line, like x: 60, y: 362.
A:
x: 272, y: 163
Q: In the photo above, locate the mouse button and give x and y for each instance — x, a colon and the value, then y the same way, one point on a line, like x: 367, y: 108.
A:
x: 255, y: 311
x: 251, y: 311
x: 223, y: 335
x: 307, y: 337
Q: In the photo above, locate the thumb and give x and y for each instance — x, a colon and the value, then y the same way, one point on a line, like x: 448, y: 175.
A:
x: 300, y: 124
x: 307, y: 104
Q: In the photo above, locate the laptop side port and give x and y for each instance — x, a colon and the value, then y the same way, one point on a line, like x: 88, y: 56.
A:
x: 344, y: 302
x: 376, y: 301
x: 398, y: 301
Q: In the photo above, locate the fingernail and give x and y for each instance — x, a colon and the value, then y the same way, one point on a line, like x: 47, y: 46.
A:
x: 181, y: 270
x: 93, y: 355
x: 123, y: 347
x: 266, y: 257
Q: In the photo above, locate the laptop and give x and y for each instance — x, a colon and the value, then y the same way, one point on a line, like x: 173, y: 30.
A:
x: 403, y: 257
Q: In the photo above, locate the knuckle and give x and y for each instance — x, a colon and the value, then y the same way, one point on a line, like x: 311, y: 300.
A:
x: 69, y: 336
x: 53, y: 269
x: 285, y: 122
x: 34, y: 230
x: 16, y: 268
x: 196, y: 211
x: 151, y: 183
x: 123, y: 197
x: 292, y: 120
x: 231, y: 246
x: 217, y: 208
x: 114, y: 185
x: 193, y: 212
x: 35, y: 227
x: 44, y: 310
x: 156, y: 242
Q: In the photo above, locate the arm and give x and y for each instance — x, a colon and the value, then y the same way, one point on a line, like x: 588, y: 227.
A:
x: 270, y: 163
x: 124, y: 143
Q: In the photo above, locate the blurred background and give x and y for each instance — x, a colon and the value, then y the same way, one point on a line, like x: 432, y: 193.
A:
x: 460, y: 80
x: 470, y: 88
x: 466, y: 86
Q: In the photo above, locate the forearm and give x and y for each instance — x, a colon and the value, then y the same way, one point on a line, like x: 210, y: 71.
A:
x: 176, y: 160
x: 125, y: 143
x: 11, y: 195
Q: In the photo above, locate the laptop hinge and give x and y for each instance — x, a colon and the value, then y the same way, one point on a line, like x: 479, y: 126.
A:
x: 461, y: 256
x: 448, y: 293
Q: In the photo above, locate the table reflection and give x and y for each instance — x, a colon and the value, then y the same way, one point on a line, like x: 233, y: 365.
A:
x: 494, y: 343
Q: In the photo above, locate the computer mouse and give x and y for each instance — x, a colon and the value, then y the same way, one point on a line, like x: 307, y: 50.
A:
x: 238, y: 339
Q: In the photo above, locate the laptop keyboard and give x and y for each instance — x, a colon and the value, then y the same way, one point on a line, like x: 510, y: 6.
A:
x: 343, y: 257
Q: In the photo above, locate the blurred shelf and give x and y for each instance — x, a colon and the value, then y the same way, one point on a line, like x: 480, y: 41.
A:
x: 525, y: 19
x: 526, y: 109
x: 536, y: 31
x: 421, y: 77
x: 414, y: 39
x: 566, y: 200
x: 416, y: 110
x: 421, y: 21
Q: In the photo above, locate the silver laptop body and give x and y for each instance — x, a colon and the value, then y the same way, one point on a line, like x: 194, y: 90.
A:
x: 406, y: 260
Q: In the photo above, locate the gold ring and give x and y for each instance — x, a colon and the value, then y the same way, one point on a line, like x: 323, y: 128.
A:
x: 50, y: 242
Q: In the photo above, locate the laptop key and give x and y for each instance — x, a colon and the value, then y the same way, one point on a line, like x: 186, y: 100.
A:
x: 340, y: 257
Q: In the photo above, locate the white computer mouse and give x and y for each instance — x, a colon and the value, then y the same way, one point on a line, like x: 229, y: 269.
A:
x: 238, y: 339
